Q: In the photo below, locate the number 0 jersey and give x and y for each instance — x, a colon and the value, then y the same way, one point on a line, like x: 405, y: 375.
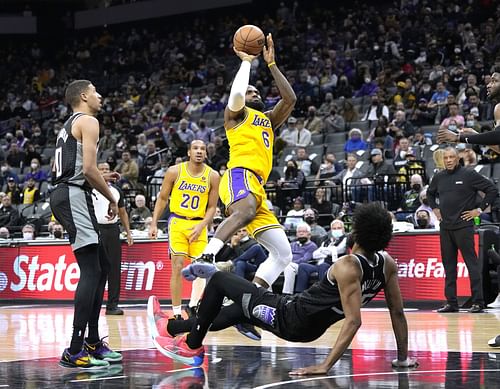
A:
x: 251, y: 143
x: 189, y: 196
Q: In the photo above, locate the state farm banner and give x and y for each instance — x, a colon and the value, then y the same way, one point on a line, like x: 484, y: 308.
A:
x: 50, y: 272
x: 420, y: 270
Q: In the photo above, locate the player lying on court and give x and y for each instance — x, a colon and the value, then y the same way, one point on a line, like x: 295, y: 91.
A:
x: 351, y: 282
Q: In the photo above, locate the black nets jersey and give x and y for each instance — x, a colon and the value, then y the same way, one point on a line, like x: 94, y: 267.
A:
x: 306, y: 316
x: 68, y: 162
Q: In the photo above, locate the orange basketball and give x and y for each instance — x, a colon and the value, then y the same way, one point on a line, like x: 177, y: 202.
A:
x: 249, y: 39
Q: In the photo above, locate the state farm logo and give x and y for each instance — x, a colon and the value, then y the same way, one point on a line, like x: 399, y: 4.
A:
x: 433, y: 268
x: 28, y: 274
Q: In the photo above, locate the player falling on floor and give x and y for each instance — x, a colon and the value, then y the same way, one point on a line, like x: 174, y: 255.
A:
x: 351, y: 282
x: 191, y: 191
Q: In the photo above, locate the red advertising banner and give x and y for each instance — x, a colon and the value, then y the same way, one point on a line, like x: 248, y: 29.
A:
x: 50, y: 272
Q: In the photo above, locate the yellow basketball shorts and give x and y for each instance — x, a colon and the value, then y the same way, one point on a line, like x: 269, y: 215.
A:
x: 236, y: 184
x: 178, y: 237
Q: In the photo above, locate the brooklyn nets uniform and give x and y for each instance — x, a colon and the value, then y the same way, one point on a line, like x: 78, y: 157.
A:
x: 306, y: 316
x: 71, y: 201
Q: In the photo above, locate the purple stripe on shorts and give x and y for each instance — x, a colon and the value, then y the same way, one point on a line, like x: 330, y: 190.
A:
x: 238, y: 187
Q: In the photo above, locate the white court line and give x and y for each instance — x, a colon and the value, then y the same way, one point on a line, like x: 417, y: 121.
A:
x: 292, y: 381
x: 99, y: 379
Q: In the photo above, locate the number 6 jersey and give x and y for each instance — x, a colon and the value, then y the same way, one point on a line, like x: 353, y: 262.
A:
x: 189, y: 196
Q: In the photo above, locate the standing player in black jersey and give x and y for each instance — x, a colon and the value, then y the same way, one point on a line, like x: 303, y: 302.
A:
x: 76, y: 173
x: 350, y: 283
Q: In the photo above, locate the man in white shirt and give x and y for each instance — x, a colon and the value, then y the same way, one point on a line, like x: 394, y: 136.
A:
x: 109, y: 231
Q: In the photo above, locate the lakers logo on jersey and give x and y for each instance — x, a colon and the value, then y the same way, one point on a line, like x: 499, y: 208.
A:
x: 189, y: 197
x: 251, y: 144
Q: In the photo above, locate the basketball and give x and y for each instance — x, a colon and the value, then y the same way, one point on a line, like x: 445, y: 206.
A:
x: 249, y: 39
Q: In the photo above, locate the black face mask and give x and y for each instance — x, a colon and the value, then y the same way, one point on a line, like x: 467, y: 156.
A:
x: 422, y: 223
x: 58, y: 234
x: 309, y: 219
x: 302, y: 240
x: 425, y: 201
x: 416, y: 187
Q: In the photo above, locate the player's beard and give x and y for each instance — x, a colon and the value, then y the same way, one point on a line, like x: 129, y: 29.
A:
x: 258, y: 105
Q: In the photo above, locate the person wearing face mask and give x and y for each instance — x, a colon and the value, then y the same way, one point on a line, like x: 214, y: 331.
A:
x: 355, y: 141
x: 411, y: 198
x: 38, y: 139
x: 36, y: 173
x: 204, y: 133
x: 28, y: 232
x: 423, y: 220
x: 313, y: 122
x: 424, y: 206
x: 332, y: 247
x: 302, y: 251
x: 311, y: 218
x: 58, y: 231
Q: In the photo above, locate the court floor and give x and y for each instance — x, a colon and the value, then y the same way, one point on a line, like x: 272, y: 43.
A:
x: 451, y: 348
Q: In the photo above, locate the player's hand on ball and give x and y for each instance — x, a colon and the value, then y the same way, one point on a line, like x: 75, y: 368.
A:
x: 244, y: 56
x: 268, y: 50
x: 408, y: 362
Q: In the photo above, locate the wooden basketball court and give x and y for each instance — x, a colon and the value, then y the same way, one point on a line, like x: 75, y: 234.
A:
x: 451, y: 348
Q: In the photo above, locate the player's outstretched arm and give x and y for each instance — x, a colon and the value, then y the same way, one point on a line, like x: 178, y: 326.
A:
x: 347, y: 273
x: 398, y: 319
x: 162, y: 200
x: 285, y: 106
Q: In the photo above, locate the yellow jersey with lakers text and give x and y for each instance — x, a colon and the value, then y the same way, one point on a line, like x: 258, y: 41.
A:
x: 251, y: 143
x: 189, y: 196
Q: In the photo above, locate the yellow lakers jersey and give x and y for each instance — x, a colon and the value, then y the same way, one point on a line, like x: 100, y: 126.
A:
x: 251, y: 143
x: 189, y: 197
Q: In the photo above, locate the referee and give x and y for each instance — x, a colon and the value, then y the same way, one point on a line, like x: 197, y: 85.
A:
x: 457, y: 189
x: 110, y: 237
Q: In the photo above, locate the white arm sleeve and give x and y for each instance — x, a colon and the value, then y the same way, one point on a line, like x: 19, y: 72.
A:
x: 236, y: 100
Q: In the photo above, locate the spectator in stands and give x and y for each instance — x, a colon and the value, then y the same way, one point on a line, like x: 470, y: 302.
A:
x: 324, y: 207
x: 328, y: 169
x: 369, y: 87
x: 272, y: 97
x: 9, y: 216
x: 379, y: 167
x: 291, y: 134
x: 186, y: 135
x: 304, y: 163
x: 295, y: 216
x: 411, y: 198
x: 439, y: 97
x: 294, y: 181
x: 344, y: 89
x: 248, y: 254
x: 139, y: 214
x: 422, y: 115
x: 376, y: 109
x: 401, y: 151
x: 311, y: 216
x: 333, y: 122
x: 4, y: 233
x: 194, y: 106
x: 453, y: 117
x: 355, y: 141
x: 15, y: 157
x: 31, y: 194
x: 204, y: 132
x: 214, y: 160
x: 37, y: 138
x: 111, y: 161
x: 108, y: 141
x: 6, y: 173
x: 468, y: 157
x: 326, y: 107
x: 57, y: 231
x: 348, y: 111
x: 423, y: 220
x: 36, y: 172
x: 302, y: 251
x: 21, y: 140
x: 13, y: 191
x: 28, y: 232
x: 174, y: 113
x: 333, y: 246
x: 433, y: 221
x: 214, y: 105
x: 400, y: 126
x: 128, y: 168
x: 313, y: 122
x: 421, y: 139
x: 31, y: 153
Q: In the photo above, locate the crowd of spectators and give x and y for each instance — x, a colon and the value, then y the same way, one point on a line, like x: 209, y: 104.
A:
x: 373, y: 85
